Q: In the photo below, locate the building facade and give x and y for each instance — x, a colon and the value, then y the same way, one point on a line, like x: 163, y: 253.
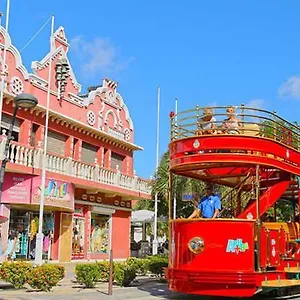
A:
x: 90, y: 180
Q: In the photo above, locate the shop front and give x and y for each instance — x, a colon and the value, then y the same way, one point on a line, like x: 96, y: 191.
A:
x: 78, y: 233
x: 25, y: 223
x: 91, y: 231
x: 22, y: 195
x: 99, y: 238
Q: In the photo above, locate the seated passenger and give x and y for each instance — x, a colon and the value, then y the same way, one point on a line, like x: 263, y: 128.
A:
x: 231, y: 124
x: 207, y: 124
x: 209, y: 206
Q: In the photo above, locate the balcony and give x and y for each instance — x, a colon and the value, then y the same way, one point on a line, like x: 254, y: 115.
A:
x: 30, y: 157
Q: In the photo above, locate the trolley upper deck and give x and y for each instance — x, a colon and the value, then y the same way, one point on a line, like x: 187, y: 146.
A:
x: 263, y: 138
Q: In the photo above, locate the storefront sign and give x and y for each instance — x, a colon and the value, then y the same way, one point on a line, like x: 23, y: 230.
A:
x: 16, y: 188
x: 57, y: 193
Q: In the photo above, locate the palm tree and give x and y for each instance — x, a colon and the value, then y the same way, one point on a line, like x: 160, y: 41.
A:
x: 161, y: 186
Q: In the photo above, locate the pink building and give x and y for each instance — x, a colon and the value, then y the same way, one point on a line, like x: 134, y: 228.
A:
x: 90, y: 181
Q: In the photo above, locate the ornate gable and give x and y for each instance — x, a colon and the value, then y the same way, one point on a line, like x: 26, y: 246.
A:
x: 108, y: 111
x: 60, y: 48
x: 16, y: 75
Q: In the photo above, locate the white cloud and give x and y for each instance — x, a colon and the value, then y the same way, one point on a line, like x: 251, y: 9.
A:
x: 290, y: 88
x: 98, y: 56
x: 255, y: 103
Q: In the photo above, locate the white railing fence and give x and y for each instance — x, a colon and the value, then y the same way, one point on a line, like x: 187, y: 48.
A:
x: 31, y: 157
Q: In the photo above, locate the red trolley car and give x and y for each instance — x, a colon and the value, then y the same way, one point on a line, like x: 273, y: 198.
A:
x: 240, y: 255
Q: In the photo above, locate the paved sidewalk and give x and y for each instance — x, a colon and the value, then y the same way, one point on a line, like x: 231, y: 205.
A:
x: 143, y: 289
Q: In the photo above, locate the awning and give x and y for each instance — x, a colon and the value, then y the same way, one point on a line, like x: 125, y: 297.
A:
x: 142, y: 216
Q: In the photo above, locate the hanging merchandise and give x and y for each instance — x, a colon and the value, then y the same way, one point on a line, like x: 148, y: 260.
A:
x: 99, y: 239
x: 34, y: 225
x: 48, y: 223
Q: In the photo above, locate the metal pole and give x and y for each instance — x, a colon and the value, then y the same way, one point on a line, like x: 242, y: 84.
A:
x: 3, y: 71
x: 39, y: 236
x: 111, y: 263
x: 174, y: 199
x: 6, y: 150
x: 258, y: 221
x: 155, y: 242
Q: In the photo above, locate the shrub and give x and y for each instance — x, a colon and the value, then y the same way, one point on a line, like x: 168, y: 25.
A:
x: 124, y: 274
x: 140, y: 264
x: 61, y: 271
x: 103, y: 269
x: 15, y: 273
x: 157, y: 264
x: 45, y: 277
x: 87, y: 274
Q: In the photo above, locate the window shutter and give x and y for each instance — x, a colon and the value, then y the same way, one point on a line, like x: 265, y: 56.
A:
x: 115, y: 160
x: 88, y: 153
x: 56, y: 143
x: 6, y: 120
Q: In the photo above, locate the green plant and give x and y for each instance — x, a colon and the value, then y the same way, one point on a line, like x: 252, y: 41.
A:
x: 103, y: 269
x: 87, y: 274
x: 140, y: 264
x: 45, y: 277
x: 61, y: 271
x: 157, y: 264
x: 15, y: 273
x: 124, y: 273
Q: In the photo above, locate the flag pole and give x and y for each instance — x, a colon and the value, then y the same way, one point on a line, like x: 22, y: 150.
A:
x: 155, y: 241
x: 3, y: 71
x: 39, y: 237
x: 174, y: 199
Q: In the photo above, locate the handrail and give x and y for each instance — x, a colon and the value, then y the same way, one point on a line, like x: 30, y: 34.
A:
x: 251, y: 122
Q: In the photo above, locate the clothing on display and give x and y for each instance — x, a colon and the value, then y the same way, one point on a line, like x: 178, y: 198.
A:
x: 26, y: 225
x: 78, y: 238
x: 99, y: 241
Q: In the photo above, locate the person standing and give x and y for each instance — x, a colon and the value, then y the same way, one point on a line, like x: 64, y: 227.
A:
x: 209, y: 206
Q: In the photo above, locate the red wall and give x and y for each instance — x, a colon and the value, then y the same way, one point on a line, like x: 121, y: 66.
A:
x: 121, y: 234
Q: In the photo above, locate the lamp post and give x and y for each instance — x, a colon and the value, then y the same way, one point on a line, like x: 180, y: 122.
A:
x: 21, y: 101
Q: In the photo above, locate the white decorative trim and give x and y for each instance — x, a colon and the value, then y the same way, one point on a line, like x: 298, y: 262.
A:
x: 57, y: 37
x: 76, y: 100
x: 102, y: 109
x: 19, y: 64
x: 77, y: 123
x: 98, y: 92
x: 16, y: 85
x: 125, y: 108
x: 38, y: 81
x: 127, y: 134
x: 91, y: 118
x: 119, y: 117
x: 39, y: 65
x: 111, y: 112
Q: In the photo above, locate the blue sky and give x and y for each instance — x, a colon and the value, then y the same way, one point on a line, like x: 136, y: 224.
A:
x: 202, y: 52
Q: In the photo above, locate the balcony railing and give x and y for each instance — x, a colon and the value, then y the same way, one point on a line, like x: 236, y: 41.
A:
x: 32, y: 157
x: 234, y: 120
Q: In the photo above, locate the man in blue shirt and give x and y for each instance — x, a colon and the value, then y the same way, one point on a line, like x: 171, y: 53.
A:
x: 209, y: 206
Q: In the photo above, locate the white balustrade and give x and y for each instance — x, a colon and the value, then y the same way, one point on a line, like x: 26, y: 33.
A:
x: 31, y: 157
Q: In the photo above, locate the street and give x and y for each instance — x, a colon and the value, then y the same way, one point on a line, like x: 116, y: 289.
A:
x: 145, y: 291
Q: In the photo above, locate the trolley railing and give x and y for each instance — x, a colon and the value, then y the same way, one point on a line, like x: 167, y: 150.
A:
x: 234, y: 120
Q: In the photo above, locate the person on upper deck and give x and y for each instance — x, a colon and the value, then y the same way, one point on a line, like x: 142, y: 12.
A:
x: 209, y: 206
x: 231, y: 124
x: 207, y: 123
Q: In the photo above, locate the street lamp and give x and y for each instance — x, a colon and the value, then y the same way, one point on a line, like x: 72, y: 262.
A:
x: 21, y: 101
